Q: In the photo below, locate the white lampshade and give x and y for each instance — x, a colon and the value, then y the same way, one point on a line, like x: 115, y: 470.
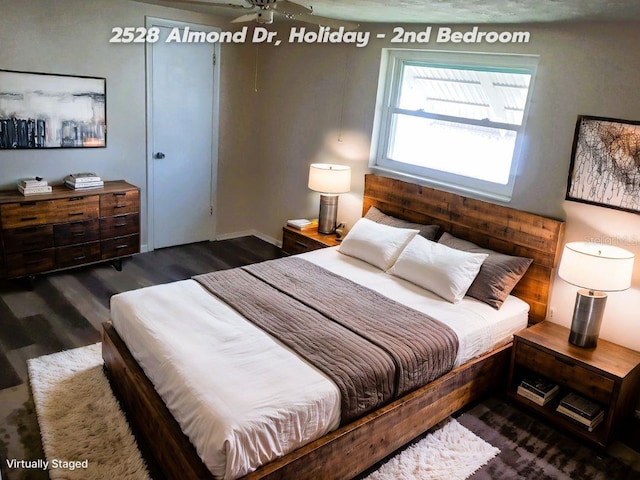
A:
x: 596, y: 267
x: 328, y: 178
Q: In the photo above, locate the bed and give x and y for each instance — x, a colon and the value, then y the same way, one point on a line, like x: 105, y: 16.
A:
x: 345, y: 449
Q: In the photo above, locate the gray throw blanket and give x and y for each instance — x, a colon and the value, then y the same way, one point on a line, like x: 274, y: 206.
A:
x: 372, y: 348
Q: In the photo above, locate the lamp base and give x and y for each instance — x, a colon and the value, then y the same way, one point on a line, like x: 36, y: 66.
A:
x: 587, y: 318
x: 328, y: 214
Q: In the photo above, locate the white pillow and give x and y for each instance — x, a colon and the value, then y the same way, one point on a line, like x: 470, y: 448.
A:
x: 375, y: 243
x: 444, y: 271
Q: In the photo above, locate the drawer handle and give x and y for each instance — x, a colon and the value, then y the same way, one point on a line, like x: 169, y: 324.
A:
x: 81, y: 257
x: 300, y: 244
x: 79, y: 234
x: 117, y: 225
x: 562, y: 360
x: 33, y: 262
x: 76, y: 214
x: 118, y: 247
x: 75, y: 199
x: 31, y: 244
x: 28, y: 219
x: 27, y: 204
x: 119, y: 194
x: 119, y: 206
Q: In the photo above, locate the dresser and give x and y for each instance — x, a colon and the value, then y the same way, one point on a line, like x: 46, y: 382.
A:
x: 68, y: 228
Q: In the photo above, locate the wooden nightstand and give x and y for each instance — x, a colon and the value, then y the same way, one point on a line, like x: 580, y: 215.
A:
x: 608, y: 374
x: 299, y: 241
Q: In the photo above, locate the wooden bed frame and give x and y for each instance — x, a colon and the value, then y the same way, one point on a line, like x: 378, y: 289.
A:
x: 352, y: 449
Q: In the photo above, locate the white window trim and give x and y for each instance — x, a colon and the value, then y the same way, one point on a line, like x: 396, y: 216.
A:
x: 388, y: 89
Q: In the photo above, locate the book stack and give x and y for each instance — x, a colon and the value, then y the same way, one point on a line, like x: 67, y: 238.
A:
x: 302, y: 223
x: 537, y: 389
x: 33, y: 186
x: 582, y: 410
x: 83, y: 181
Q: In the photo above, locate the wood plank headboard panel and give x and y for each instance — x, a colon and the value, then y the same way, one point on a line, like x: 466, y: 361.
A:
x: 497, y: 227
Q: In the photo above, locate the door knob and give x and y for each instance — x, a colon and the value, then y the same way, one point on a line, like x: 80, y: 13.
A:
x: 159, y: 155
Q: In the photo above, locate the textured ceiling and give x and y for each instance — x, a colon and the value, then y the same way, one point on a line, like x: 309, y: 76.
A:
x: 450, y: 11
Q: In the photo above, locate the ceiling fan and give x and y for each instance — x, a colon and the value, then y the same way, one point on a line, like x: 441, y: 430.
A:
x: 263, y: 12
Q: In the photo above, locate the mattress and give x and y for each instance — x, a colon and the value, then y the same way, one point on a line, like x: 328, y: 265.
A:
x: 240, y: 396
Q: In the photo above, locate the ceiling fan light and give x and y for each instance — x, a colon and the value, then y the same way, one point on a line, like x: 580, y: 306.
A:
x: 264, y: 17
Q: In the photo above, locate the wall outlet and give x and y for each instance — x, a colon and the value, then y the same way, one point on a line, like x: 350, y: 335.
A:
x: 551, y: 312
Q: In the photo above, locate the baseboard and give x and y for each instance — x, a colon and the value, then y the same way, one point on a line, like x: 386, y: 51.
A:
x: 252, y: 232
x: 143, y: 249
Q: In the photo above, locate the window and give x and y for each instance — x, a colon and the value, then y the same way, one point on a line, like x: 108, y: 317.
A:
x: 453, y: 119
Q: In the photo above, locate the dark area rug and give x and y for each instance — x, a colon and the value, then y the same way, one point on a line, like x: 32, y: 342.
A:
x: 532, y: 449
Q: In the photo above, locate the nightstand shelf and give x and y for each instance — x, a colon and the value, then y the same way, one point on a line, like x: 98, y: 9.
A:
x: 608, y: 375
x: 296, y: 241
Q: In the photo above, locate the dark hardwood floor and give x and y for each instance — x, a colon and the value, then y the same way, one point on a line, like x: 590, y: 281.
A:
x: 66, y: 309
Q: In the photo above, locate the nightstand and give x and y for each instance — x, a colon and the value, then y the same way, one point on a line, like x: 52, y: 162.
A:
x: 299, y: 241
x: 608, y: 374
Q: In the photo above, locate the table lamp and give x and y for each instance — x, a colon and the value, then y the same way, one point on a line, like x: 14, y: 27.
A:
x: 329, y: 180
x: 595, y: 269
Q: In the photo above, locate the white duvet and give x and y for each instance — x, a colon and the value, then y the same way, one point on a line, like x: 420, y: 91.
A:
x: 240, y: 396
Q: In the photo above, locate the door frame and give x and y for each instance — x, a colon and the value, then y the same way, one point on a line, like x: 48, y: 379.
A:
x: 215, y: 134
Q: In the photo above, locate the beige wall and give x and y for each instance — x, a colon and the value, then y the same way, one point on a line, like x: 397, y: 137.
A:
x: 316, y: 103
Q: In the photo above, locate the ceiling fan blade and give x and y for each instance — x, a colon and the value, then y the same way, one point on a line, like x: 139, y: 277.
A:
x: 290, y: 8
x: 212, y: 4
x: 326, y: 22
x: 249, y: 17
x: 263, y: 17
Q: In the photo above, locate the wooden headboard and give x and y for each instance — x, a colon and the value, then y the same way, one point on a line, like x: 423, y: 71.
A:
x: 497, y: 227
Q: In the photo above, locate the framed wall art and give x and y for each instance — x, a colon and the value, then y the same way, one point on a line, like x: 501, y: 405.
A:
x: 605, y: 163
x: 43, y: 110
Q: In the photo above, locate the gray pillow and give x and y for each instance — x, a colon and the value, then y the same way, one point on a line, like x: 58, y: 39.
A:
x: 430, y: 232
x: 498, y: 275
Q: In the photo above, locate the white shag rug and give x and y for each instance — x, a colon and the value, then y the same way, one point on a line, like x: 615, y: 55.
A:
x: 84, y: 433
x: 451, y: 453
x: 86, y: 436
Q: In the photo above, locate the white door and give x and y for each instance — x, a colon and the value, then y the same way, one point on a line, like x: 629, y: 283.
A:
x: 182, y: 137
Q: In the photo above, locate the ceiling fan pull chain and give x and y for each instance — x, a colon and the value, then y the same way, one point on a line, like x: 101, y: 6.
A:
x: 345, y: 80
x: 255, y: 78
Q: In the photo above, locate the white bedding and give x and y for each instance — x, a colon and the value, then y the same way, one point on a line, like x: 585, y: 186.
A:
x: 239, y: 395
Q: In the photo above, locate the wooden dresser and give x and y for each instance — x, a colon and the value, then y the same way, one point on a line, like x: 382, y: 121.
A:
x: 67, y: 228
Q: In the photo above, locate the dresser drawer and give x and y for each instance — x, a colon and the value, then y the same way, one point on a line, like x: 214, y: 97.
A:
x: 27, y: 213
x: 571, y: 374
x: 76, y: 208
x: 119, y: 203
x: 78, y: 254
x: 28, y: 238
x: 76, y: 232
x: 26, y: 263
x: 120, y: 246
x: 119, y: 225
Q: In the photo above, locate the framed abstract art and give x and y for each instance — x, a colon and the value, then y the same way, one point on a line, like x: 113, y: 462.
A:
x: 605, y: 163
x: 43, y: 110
